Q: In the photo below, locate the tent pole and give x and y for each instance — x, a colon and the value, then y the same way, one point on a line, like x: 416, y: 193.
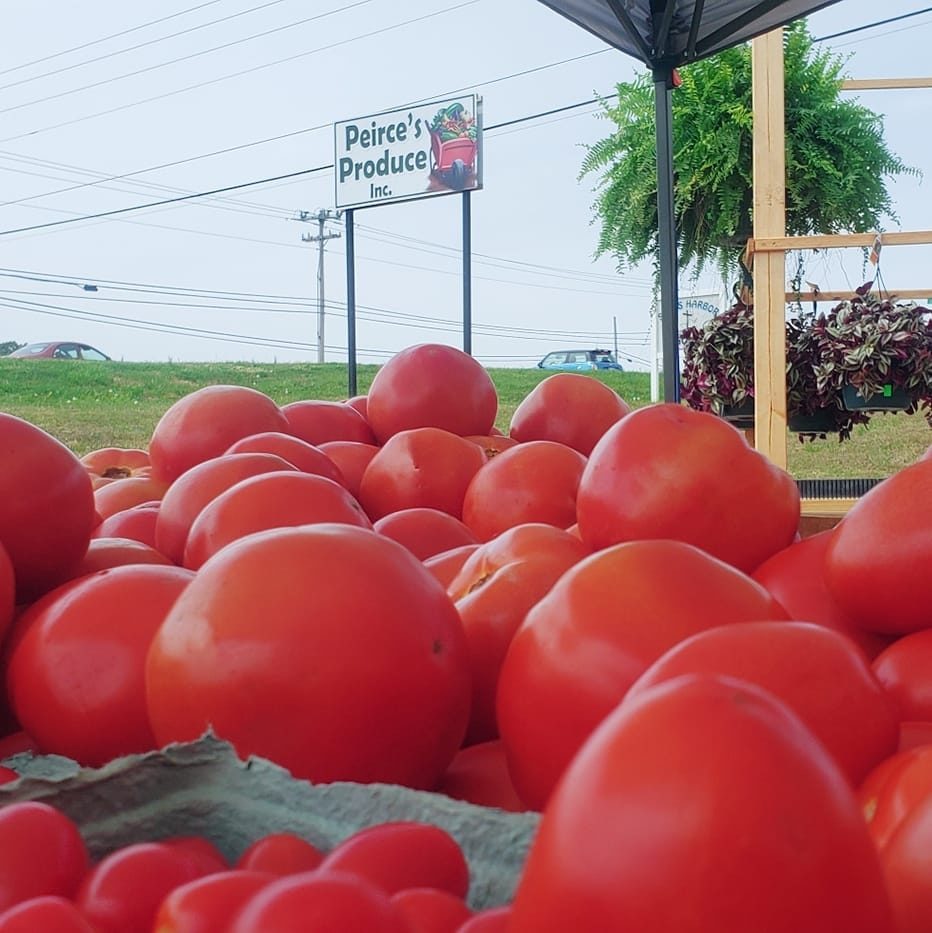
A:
x: 666, y: 236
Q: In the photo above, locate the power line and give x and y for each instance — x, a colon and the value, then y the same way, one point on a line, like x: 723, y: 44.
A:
x: 245, y: 71
x: 114, y: 35
x: 188, y: 57
x: 880, y: 22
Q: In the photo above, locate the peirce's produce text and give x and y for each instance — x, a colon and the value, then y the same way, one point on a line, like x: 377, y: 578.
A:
x: 367, y: 164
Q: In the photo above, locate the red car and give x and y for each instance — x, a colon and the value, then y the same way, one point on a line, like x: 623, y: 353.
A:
x: 59, y: 350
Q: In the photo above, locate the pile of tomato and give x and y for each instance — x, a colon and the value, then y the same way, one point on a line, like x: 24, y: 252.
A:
x: 607, y: 615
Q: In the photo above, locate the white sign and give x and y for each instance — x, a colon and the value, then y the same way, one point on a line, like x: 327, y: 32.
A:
x: 415, y: 152
x: 693, y: 310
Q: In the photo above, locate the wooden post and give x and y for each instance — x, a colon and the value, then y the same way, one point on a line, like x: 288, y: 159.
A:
x: 769, y: 180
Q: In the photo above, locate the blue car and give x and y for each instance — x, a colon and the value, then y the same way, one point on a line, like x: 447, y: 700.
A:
x: 580, y: 360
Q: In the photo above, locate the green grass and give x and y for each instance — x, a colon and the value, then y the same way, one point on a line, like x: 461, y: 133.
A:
x: 90, y: 405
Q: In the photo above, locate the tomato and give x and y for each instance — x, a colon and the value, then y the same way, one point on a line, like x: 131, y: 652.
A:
x: 569, y: 408
x: 424, y: 532
x: 46, y: 506
x: 447, y: 564
x: 302, y: 456
x: 420, y: 468
x: 435, y: 386
x: 137, y: 523
x: 795, y: 579
x: 906, y: 866
x: 479, y: 774
x: 326, y: 648
x: 208, y: 904
x: 50, y: 914
x: 598, y: 629
x: 17, y: 742
x: 204, y: 856
x: 877, y: 565
x: 204, y: 423
x: 199, y: 486
x: 7, y: 775
x: 351, y: 458
x: 319, y: 902
x: 360, y: 403
x: 41, y: 852
x: 116, y: 462
x: 493, y: 444
x: 429, y: 910
x: 905, y: 668
x: 666, y: 471
x: 7, y: 591
x: 493, y: 592
x: 402, y: 854
x: 493, y: 920
x: 280, y: 854
x: 702, y: 804
x: 127, y: 493
x: 269, y: 500
x: 318, y: 422
x: 104, y: 553
x: 856, y: 721
x: 122, y: 893
x: 892, y: 789
x: 75, y: 675
x: 534, y: 482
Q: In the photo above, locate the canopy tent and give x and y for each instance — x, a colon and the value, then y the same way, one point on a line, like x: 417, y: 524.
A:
x: 664, y: 34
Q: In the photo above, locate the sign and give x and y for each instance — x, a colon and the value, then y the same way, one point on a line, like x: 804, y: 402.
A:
x: 415, y: 152
x: 693, y: 310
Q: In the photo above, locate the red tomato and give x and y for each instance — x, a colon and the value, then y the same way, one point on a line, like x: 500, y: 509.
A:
x: 122, y: 893
x: 403, y: 854
x: 795, y: 579
x: 360, y: 403
x: 493, y: 444
x: 269, y: 500
x: 703, y: 804
x: 493, y: 592
x: 424, y: 532
x: 208, y: 904
x: 905, y: 669
x: 204, y: 856
x: 447, y: 564
x: 328, y: 903
x: 7, y: 775
x: 429, y: 910
x: 420, y: 468
x: 877, y: 565
x: 17, y: 742
x: 534, y: 482
x: 204, y: 423
x: 666, y: 471
x: 7, y: 591
x: 46, y: 506
x: 199, y: 486
x: 892, y: 789
x: 41, y: 852
x: 479, y: 774
x: 280, y: 854
x: 855, y: 721
x: 104, y: 553
x: 49, y: 914
x: 265, y: 646
x: 351, y: 458
x: 137, y: 523
x: 435, y: 386
x: 493, y: 920
x: 302, y: 456
x: 600, y: 627
x: 318, y: 422
x: 568, y: 408
x: 127, y: 493
x: 906, y: 867
x: 75, y: 676
x: 116, y: 462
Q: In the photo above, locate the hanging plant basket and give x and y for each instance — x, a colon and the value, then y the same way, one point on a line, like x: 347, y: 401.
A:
x: 892, y: 398
x: 821, y: 421
x: 740, y: 415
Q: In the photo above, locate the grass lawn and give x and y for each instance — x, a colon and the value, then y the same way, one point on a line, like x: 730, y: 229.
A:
x: 89, y: 405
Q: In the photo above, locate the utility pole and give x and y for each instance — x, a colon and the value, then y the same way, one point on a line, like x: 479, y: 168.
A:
x: 321, y: 217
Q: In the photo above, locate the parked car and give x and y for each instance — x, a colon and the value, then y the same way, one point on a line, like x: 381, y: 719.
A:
x: 580, y: 360
x: 59, y: 350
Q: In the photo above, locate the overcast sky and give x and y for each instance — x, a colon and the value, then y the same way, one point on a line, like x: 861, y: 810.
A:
x: 215, y: 94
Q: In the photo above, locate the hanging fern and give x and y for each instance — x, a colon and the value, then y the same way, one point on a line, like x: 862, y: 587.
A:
x: 837, y: 163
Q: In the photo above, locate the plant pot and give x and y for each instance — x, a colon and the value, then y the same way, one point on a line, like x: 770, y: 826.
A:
x: 891, y: 399
x: 741, y: 415
x: 821, y: 421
